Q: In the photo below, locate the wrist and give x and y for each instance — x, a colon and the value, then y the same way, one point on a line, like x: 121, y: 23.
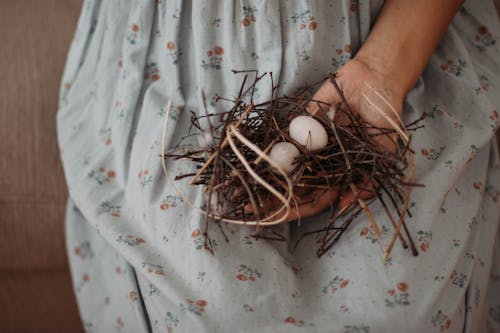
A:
x: 393, y: 67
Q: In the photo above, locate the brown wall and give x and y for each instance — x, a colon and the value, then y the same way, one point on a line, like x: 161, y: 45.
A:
x: 35, y: 288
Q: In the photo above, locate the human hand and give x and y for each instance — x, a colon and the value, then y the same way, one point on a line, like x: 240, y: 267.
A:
x: 377, y: 99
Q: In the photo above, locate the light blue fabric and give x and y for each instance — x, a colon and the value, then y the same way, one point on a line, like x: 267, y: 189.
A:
x: 135, y: 247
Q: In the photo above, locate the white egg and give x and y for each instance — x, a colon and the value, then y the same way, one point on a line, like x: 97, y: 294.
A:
x: 284, y: 154
x: 308, y: 132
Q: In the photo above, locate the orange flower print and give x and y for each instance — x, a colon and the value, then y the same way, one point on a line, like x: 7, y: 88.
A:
x: 305, y: 19
x: 483, y: 39
x: 86, y: 277
x: 153, y: 268
x: 130, y: 240
x: 402, y: 286
x: 441, y: 320
x: 132, y: 34
x: 196, y: 307
x: 434, y: 112
x: 110, y: 208
x: 152, y: 72
x: 171, y: 321
x: 218, y: 50
x: 424, y: 237
x: 246, y: 273
x: 297, y: 322
x: 170, y: 201
x: 214, y: 60
x: 431, y: 153
x: 493, y: 193
x: 201, y: 302
x: 133, y: 296
x: 398, y: 296
x: 242, y: 277
x: 84, y: 250
x: 173, y: 53
x: 454, y: 67
x: 248, y: 15
x: 144, y: 177
x: 477, y: 185
x: 342, y: 58
x: 102, y: 175
x: 199, y: 241
x: 334, y: 284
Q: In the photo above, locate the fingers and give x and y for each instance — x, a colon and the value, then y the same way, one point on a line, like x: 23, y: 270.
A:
x: 325, y: 94
x: 313, y: 204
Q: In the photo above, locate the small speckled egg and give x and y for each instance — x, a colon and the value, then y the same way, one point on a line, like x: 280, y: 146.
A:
x: 284, y: 154
x: 308, y: 132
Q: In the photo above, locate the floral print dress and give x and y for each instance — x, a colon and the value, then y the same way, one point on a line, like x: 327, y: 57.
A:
x: 136, y: 250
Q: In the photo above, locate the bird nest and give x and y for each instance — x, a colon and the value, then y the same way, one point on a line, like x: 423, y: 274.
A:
x: 247, y: 180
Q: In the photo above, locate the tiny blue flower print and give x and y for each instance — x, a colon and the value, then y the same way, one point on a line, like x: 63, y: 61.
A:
x: 170, y: 201
x: 132, y: 34
x: 484, y: 85
x: 431, y: 153
x: 102, y: 175
x: 84, y: 250
x: 173, y: 113
x: 111, y: 209
x: 356, y: 329
x: 246, y: 273
x: 153, y: 268
x: 458, y: 279
x: 151, y: 72
x: 199, y: 241
x: 454, y: 67
x: 105, y: 135
x: 439, y: 319
x: 174, y: 53
x: 216, y: 22
x: 248, y: 15
x: 196, y: 307
x: 247, y: 308
x: 171, y: 321
x: 435, y: 112
x: 343, y: 56
x: 424, y: 237
x: 145, y: 178
x: 483, y: 38
x: 153, y: 290
x: 305, y: 19
x: 492, y: 193
x: 398, y: 296
x: 214, y: 60
x: 335, y: 284
x: 130, y: 240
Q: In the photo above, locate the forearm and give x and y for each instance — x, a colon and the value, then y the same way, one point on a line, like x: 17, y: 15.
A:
x: 404, y: 36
